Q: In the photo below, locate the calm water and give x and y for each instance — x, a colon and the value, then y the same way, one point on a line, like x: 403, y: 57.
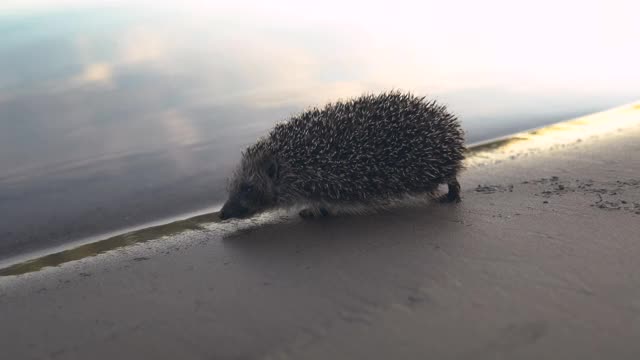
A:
x: 111, y: 118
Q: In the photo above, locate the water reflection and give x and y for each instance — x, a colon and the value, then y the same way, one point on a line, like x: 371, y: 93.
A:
x: 112, y: 117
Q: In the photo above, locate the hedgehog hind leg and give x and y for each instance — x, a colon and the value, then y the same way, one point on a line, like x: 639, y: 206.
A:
x: 453, y: 194
x: 313, y: 212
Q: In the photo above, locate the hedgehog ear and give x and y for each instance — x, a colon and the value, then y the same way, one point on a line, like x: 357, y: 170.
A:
x: 272, y: 168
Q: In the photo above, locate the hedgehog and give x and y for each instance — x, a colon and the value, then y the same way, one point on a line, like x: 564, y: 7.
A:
x: 365, y: 153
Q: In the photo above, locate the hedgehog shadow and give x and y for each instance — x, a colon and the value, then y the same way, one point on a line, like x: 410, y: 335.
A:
x: 345, y: 269
x: 431, y: 225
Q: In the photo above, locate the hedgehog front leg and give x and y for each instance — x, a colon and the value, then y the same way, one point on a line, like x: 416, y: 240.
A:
x: 453, y: 195
x: 310, y: 213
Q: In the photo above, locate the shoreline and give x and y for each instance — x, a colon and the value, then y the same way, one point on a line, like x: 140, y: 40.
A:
x: 535, y: 139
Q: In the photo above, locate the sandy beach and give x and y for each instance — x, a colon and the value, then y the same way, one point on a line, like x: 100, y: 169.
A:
x: 539, y: 261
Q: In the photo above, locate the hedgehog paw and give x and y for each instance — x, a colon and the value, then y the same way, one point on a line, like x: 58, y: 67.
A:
x: 310, y: 213
x: 453, y: 196
x: 447, y: 198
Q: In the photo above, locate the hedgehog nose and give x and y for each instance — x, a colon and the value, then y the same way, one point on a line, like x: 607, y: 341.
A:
x: 222, y: 215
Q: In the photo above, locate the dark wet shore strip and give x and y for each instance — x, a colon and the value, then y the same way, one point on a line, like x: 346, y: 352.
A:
x: 112, y: 243
x: 511, y: 147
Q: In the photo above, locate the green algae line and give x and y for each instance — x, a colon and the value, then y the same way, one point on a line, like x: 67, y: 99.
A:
x: 112, y: 243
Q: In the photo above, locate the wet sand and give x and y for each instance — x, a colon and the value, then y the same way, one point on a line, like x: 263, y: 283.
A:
x: 540, y: 260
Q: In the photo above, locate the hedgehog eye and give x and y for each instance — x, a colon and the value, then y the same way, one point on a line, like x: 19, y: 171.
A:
x: 246, y: 189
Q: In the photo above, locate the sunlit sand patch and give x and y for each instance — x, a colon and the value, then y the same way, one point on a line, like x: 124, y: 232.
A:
x: 554, y: 136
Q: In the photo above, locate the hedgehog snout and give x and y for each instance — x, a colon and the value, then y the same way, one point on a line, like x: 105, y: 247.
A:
x: 223, y: 215
x: 232, y: 210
